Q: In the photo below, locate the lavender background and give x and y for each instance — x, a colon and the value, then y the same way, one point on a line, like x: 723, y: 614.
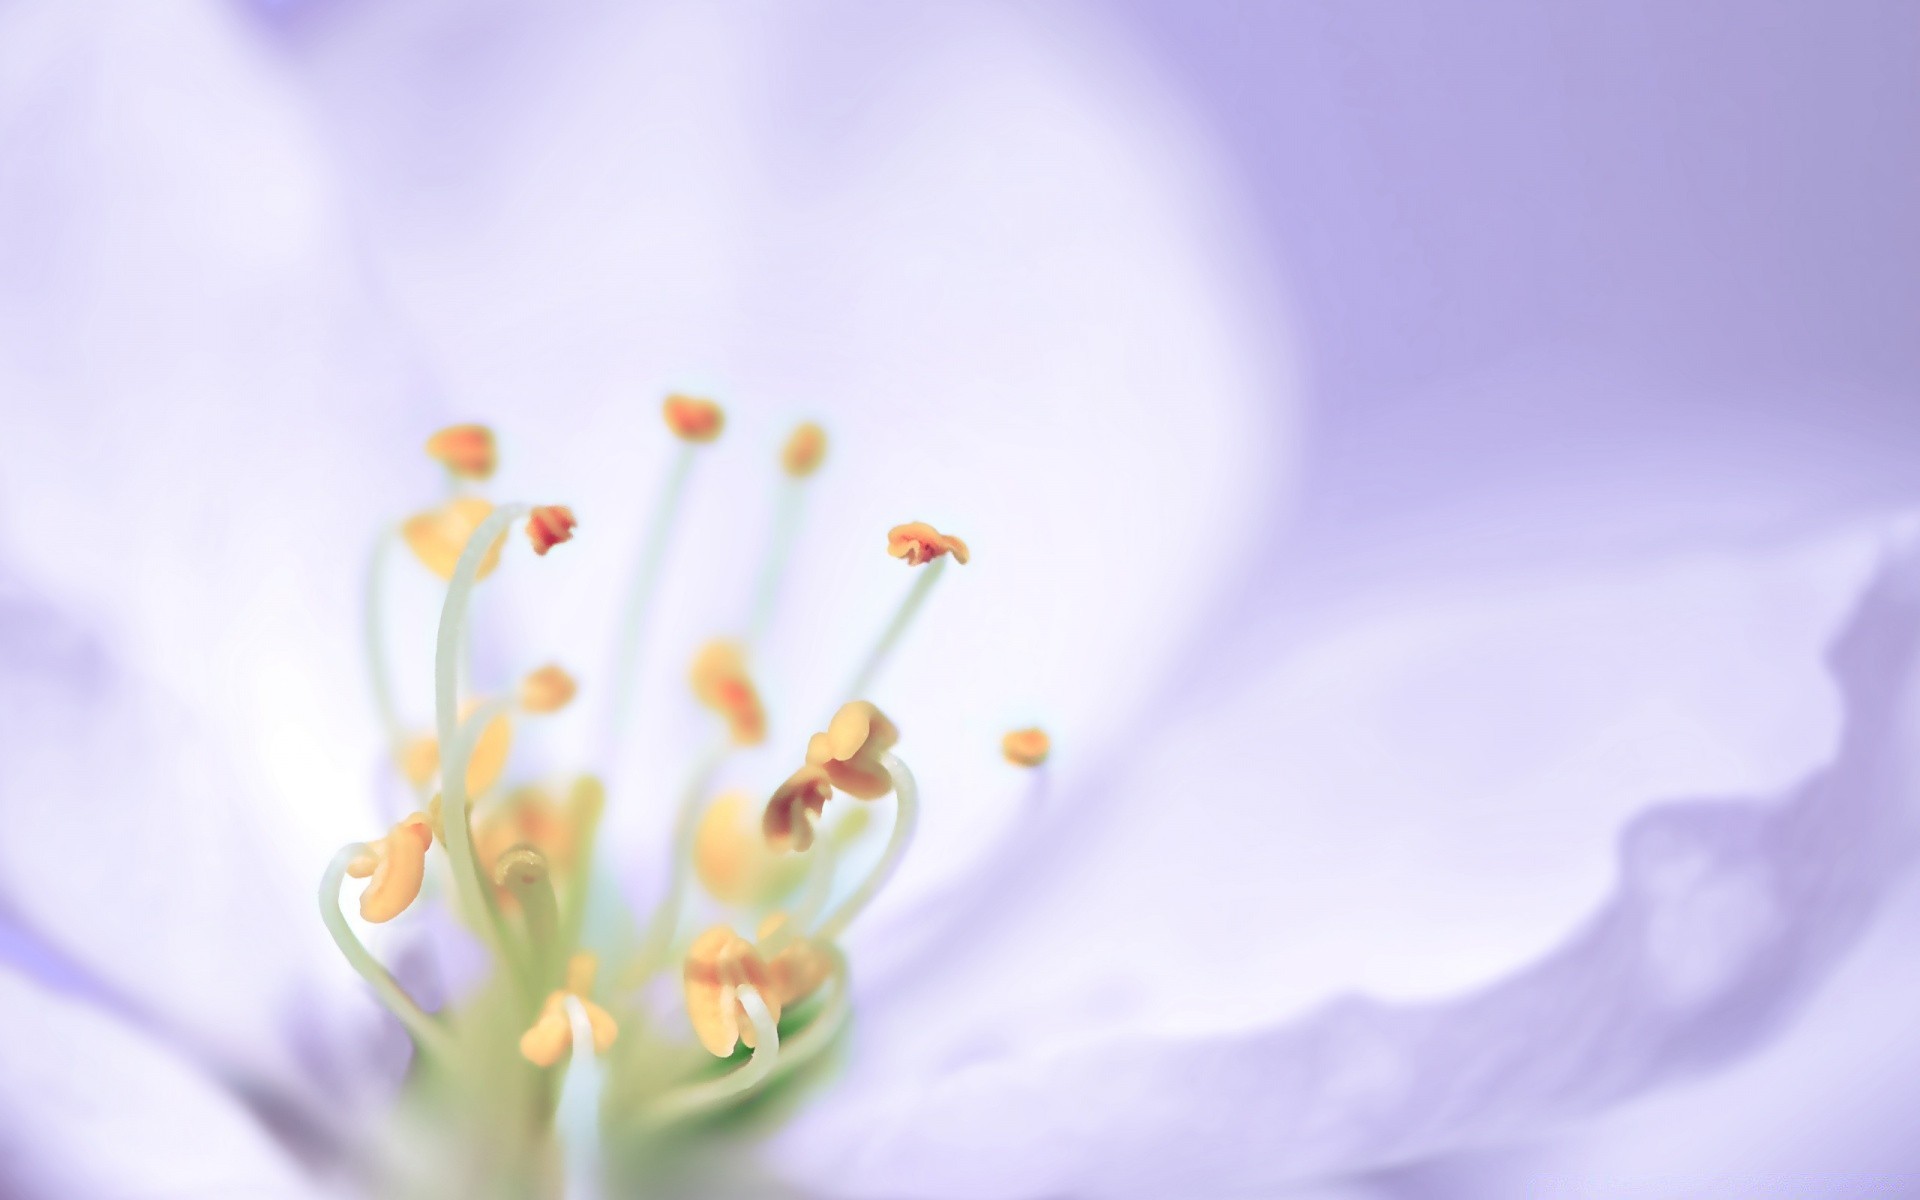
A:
x: 1548, y: 289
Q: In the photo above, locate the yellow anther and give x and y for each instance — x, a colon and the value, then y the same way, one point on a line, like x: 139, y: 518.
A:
x: 850, y: 750
x: 546, y: 690
x: 465, y: 450
x: 438, y: 535
x: 693, y: 419
x: 548, y: 526
x: 806, y: 448
x: 788, y: 820
x: 420, y: 757
x: 919, y: 542
x: 720, y: 681
x: 398, y: 864
x: 551, y: 1036
x: 798, y: 970
x: 719, y: 963
x: 1026, y: 747
x: 531, y: 816
x: 732, y: 857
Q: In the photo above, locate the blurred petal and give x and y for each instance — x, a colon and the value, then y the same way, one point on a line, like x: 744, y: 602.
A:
x: 1028, y: 332
x: 1723, y: 915
x: 90, y: 1107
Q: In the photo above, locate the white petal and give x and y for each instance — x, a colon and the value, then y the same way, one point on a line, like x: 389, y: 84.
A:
x: 90, y: 1107
x: 1095, y: 1045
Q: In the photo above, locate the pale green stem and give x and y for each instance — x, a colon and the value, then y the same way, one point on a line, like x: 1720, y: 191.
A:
x: 522, y: 870
x: 786, y: 524
x: 813, y: 897
x: 427, y: 1033
x: 803, y: 1047
x: 697, y: 1098
x: 665, y: 922
x: 454, y: 764
x: 890, y: 637
x: 906, y: 810
x: 579, y: 1109
x: 640, y: 594
x: 455, y: 807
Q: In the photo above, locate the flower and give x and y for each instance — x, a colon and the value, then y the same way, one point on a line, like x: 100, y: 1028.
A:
x: 217, y: 692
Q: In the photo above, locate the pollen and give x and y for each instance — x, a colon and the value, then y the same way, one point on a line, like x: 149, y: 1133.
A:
x: 465, y: 450
x: 720, y: 963
x: 788, y: 821
x: 919, y: 542
x: 805, y: 450
x: 850, y: 750
x: 551, y: 1035
x: 398, y: 864
x: 721, y: 683
x: 548, y: 526
x: 1026, y: 747
x: 547, y: 690
x: 438, y: 535
x: 693, y: 419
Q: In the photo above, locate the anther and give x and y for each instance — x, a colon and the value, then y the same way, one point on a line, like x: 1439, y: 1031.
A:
x: 438, y: 535
x: 551, y: 1035
x: 805, y: 449
x: 919, y: 542
x: 788, y: 821
x: 850, y: 750
x: 732, y: 858
x: 465, y: 450
x: 693, y: 419
x: 398, y: 864
x: 548, y: 526
x: 1026, y: 747
x: 798, y: 966
x: 721, y: 683
x: 547, y: 690
x: 719, y: 964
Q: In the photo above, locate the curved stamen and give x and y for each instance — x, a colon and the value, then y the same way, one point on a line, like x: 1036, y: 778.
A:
x: 906, y: 809
x: 427, y: 1033
x: 657, y: 944
x: 805, y: 1046
x: 456, y: 806
x: 696, y: 1098
x: 579, y: 1108
x: 522, y: 871
x: 640, y: 593
x: 890, y: 636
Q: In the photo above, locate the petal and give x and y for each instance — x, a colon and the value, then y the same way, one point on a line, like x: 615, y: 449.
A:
x: 90, y: 1107
x: 949, y: 293
x: 1725, y: 914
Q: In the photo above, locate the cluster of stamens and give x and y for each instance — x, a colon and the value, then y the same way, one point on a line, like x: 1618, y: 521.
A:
x: 519, y: 859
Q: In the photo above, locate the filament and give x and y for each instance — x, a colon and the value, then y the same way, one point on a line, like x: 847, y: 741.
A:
x: 646, y: 578
x: 786, y: 524
x: 890, y: 637
x: 657, y: 944
x: 906, y: 810
x: 522, y: 871
x: 699, y: 1097
x: 379, y: 675
x: 579, y: 1109
x: 427, y: 1033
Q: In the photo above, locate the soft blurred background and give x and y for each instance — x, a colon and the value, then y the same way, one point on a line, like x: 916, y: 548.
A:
x: 1497, y: 320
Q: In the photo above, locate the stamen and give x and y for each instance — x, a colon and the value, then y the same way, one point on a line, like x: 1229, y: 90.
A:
x: 850, y: 750
x: 800, y: 458
x: 657, y: 942
x: 547, y: 690
x: 919, y: 542
x: 906, y: 810
x: 521, y: 871
x: 1026, y: 747
x: 552, y: 1033
x: 439, y: 536
x: 915, y: 551
x: 379, y: 674
x: 806, y: 448
x: 693, y: 419
x: 731, y: 857
x: 721, y: 967
x: 465, y: 450
x: 548, y: 526
x: 721, y: 683
x: 788, y: 821
x: 427, y: 1033
x: 398, y: 864
x: 578, y: 1113
x: 691, y: 1101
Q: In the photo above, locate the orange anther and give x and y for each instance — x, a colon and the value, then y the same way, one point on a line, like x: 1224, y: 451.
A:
x: 551, y: 1035
x: 919, y: 542
x: 465, y: 450
x: 850, y: 750
x: 805, y: 449
x: 693, y: 419
x: 547, y: 690
x: 1026, y: 747
x: 438, y: 536
x: 788, y: 821
x: 720, y: 681
x: 797, y: 971
x: 398, y: 864
x: 720, y: 963
x: 548, y: 526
